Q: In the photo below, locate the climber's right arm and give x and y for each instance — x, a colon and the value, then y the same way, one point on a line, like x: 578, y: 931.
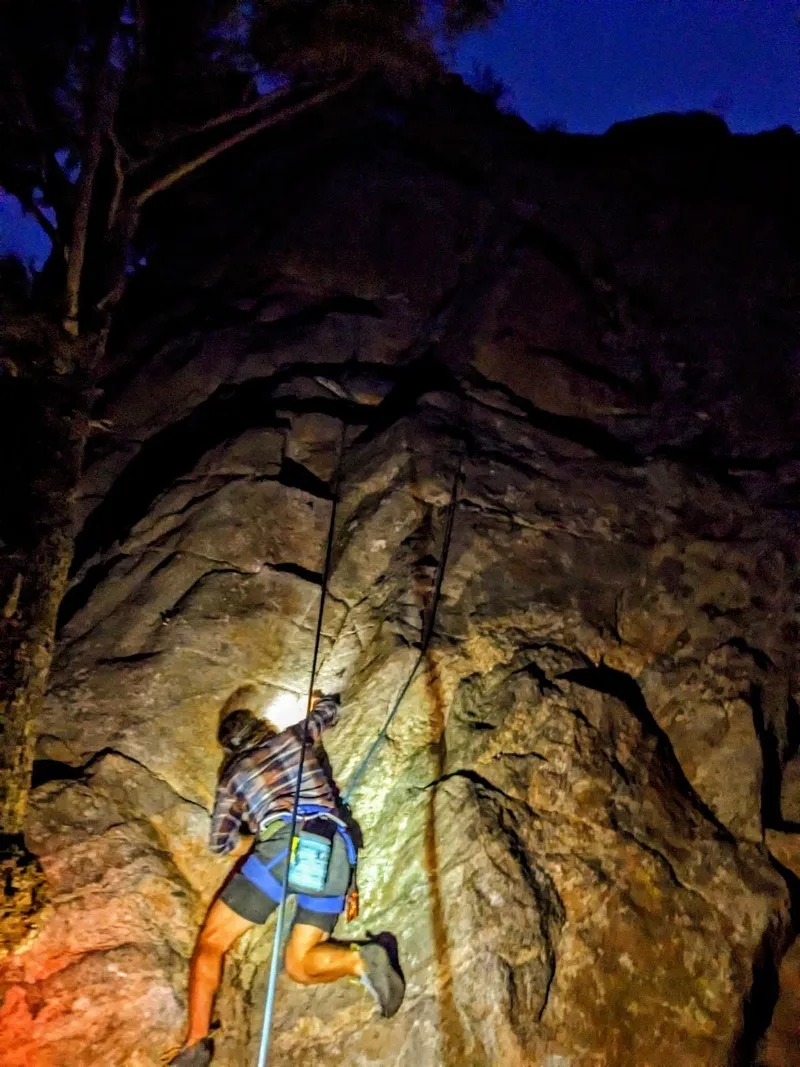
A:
x: 325, y: 713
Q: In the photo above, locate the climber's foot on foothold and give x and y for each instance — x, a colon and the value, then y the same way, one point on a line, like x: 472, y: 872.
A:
x: 198, y: 1055
x: 382, y: 978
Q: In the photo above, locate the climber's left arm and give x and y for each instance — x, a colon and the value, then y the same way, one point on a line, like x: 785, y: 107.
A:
x: 226, y: 821
x: 242, y: 846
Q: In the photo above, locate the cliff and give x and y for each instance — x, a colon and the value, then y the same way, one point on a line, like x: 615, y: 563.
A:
x: 582, y: 828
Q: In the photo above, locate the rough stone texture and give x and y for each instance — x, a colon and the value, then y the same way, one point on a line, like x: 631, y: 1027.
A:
x: 790, y: 791
x: 785, y: 847
x: 565, y: 828
x: 25, y: 899
x: 781, y: 1044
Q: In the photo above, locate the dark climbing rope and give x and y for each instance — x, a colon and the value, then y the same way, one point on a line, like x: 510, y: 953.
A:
x: 427, y: 633
x: 269, y: 1006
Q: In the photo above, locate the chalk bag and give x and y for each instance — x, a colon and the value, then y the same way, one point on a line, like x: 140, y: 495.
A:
x: 311, y: 858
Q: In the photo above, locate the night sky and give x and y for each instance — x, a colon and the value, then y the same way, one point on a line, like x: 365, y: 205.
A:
x: 588, y: 63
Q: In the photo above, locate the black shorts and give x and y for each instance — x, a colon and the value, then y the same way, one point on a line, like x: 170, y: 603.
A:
x: 253, y: 904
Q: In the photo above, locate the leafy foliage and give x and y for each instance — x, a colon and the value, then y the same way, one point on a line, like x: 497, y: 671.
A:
x: 484, y: 81
x: 147, y: 77
x: 460, y: 16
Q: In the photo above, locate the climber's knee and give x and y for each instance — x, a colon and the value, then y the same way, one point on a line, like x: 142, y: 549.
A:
x: 296, y: 969
x: 222, y: 927
x: 303, y: 940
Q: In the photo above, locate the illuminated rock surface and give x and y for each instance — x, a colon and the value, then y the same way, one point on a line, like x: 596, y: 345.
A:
x: 566, y: 827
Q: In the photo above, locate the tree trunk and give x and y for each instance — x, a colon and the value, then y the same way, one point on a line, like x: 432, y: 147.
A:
x: 25, y: 658
x: 49, y: 435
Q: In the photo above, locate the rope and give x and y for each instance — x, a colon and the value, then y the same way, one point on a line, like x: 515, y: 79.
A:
x: 427, y: 633
x: 269, y: 1006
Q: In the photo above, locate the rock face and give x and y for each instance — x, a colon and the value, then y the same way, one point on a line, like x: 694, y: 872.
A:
x: 565, y: 827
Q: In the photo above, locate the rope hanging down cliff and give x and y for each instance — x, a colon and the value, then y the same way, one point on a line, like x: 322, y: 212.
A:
x: 269, y: 1006
x: 427, y: 633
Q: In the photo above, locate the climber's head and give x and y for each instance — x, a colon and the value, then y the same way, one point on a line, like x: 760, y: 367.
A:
x: 240, y: 725
x: 236, y: 729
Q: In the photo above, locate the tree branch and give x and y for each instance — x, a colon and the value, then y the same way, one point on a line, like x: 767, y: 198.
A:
x: 119, y: 174
x: 46, y: 224
x: 219, y: 120
x: 104, y: 106
x: 141, y: 32
x: 243, y: 111
x: 222, y: 146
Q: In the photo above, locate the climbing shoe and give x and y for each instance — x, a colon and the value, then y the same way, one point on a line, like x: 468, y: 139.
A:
x: 382, y: 978
x: 198, y: 1055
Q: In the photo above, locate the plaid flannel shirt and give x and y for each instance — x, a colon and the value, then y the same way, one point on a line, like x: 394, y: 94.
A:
x: 261, y: 781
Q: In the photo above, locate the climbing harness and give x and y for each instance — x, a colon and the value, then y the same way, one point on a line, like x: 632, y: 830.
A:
x: 308, y: 853
x: 308, y: 864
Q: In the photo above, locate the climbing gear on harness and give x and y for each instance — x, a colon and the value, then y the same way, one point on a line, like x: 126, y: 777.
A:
x: 306, y: 879
x: 310, y: 813
x: 269, y: 829
x: 260, y: 874
x: 427, y: 633
x: 382, y: 979
x: 352, y: 906
x: 305, y: 812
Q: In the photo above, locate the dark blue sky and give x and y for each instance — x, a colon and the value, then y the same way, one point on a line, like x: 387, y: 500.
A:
x: 589, y: 63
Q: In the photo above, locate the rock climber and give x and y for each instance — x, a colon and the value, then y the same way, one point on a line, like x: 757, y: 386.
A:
x: 255, y: 796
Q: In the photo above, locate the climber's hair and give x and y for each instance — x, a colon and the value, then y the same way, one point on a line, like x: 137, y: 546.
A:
x: 240, y: 724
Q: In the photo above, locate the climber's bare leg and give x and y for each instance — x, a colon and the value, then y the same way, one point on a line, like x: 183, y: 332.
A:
x: 221, y: 928
x: 311, y: 958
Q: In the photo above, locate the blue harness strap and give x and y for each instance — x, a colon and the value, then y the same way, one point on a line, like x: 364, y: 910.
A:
x: 260, y: 874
